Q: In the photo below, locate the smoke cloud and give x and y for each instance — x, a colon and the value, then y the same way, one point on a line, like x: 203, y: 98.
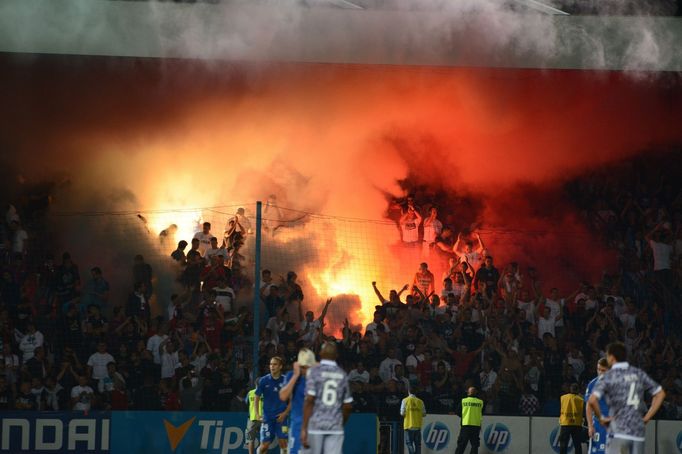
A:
x: 490, y: 146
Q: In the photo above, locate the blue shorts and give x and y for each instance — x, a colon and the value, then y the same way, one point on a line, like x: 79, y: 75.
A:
x: 295, y: 437
x: 597, y: 444
x: 271, y: 428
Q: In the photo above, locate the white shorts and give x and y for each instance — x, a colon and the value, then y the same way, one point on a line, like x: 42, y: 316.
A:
x: 623, y: 446
x: 324, y: 444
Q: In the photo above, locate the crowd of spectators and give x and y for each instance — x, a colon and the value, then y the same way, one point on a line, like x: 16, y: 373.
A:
x: 66, y: 345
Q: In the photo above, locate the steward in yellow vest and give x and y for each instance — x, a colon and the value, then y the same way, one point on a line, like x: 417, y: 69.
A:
x: 571, y: 420
x: 470, y: 431
x: 413, y: 411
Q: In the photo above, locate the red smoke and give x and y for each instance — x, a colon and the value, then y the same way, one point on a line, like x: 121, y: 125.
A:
x: 495, y: 145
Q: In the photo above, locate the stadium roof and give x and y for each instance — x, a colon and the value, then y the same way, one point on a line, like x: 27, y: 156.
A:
x: 461, y: 33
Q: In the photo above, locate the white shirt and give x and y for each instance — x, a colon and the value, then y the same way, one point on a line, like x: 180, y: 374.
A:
x: 554, y: 307
x: 529, y: 309
x: 204, y: 241
x: 210, y: 252
x: 410, y: 231
x: 29, y: 343
x: 305, y: 324
x: 474, y: 259
x: 169, y: 362
x: 20, y: 237
x: 199, y: 362
x: 98, y: 361
x: 362, y: 377
x: 106, y: 384
x: 432, y: 230
x: 224, y: 297
x: 414, y: 360
x: 387, y: 368
x: 628, y: 320
x: 84, y: 403
x: 577, y: 363
x: 265, y: 288
x: 545, y: 326
x: 662, y: 253
x: 276, y: 326
x: 488, y: 379
x: 153, y: 346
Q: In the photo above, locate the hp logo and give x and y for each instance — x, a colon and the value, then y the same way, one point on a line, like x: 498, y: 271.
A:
x: 436, y: 436
x: 497, y: 437
x: 678, y: 442
x: 554, y: 440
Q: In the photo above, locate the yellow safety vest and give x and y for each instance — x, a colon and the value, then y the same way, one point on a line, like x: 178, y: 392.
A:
x: 472, y: 411
x: 252, y: 405
x: 414, y: 412
x: 571, y: 410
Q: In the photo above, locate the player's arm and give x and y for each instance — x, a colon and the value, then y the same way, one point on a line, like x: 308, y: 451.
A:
x: 656, y: 403
x: 347, y: 408
x: 308, y: 405
x: 347, y: 402
x: 282, y: 416
x: 287, y: 390
x: 594, y: 405
x: 588, y: 413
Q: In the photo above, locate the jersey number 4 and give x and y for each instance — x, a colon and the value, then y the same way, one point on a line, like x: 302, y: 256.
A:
x: 329, y: 394
x: 633, y: 398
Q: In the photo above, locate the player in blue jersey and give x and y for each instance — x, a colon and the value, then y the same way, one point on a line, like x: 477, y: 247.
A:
x: 597, y: 432
x: 294, y: 390
x: 275, y: 411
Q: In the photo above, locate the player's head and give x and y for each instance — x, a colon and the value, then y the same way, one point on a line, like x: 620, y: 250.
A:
x: 328, y: 351
x: 616, y: 353
x: 276, y: 364
x: 306, y: 358
x: 602, y: 366
x: 471, y: 392
x: 574, y: 388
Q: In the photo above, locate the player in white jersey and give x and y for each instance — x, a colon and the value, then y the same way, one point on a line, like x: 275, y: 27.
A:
x: 327, y: 405
x: 623, y: 388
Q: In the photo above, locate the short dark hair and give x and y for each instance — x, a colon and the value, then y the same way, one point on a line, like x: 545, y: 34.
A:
x: 603, y: 363
x: 617, y: 350
x: 207, y: 224
x: 574, y: 388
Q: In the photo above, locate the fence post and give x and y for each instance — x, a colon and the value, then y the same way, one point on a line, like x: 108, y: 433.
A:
x: 256, y: 291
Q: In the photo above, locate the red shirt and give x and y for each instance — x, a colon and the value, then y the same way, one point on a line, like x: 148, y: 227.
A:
x: 210, y: 275
x: 170, y: 401
x: 212, y: 332
x: 424, y: 281
x: 463, y: 362
x: 119, y: 400
x: 424, y: 370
